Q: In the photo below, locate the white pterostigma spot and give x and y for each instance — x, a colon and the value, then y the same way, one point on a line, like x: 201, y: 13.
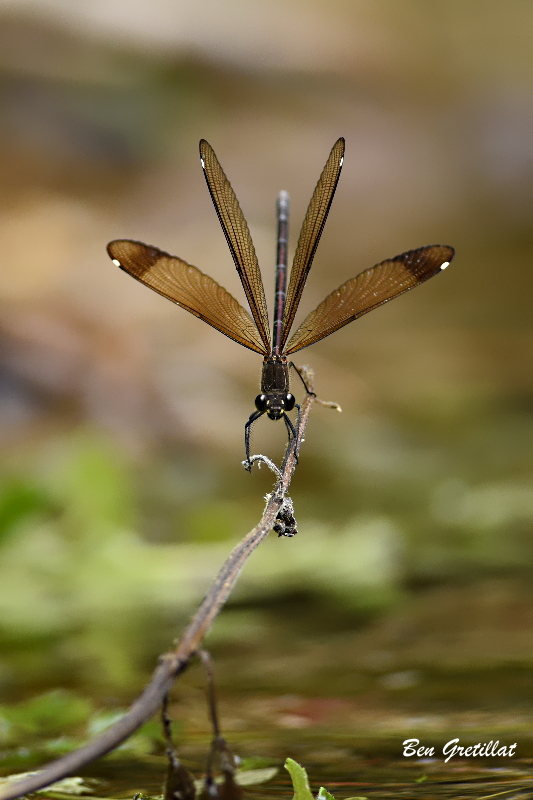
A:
x: 116, y: 262
x: 446, y: 264
x: 341, y: 161
x: 202, y: 162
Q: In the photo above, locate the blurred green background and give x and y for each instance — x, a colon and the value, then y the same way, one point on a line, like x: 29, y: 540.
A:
x: 121, y: 416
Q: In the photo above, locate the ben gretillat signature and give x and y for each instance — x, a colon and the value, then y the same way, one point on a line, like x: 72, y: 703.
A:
x: 412, y: 747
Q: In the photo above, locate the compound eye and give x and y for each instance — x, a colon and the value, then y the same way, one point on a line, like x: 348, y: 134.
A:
x: 261, y: 402
x: 289, y: 402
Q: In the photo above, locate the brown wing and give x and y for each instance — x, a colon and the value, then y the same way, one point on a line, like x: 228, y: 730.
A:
x: 189, y: 288
x: 312, y: 228
x: 370, y: 289
x: 238, y: 237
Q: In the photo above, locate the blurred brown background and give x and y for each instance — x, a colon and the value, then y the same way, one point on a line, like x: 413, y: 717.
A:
x: 121, y: 416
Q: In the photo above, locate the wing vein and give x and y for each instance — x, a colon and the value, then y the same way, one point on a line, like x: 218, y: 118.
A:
x: 189, y: 288
x: 368, y: 290
x: 238, y: 238
x: 313, y: 225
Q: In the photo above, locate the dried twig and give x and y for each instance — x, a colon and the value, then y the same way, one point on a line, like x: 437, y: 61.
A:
x: 179, y: 784
x: 176, y: 661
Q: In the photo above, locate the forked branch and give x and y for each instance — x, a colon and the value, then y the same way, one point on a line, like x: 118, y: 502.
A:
x: 172, y: 664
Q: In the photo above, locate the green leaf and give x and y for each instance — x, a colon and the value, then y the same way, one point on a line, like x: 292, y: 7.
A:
x: 247, y: 777
x: 48, y: 713
x: 325, y: 795
x: 68, y: 786
x: 299, y: 780
x: 92, y: 482
x: 17, y: 501
x: 250, y: 777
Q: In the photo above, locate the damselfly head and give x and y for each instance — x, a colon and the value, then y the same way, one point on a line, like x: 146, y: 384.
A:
x: 275, y: 405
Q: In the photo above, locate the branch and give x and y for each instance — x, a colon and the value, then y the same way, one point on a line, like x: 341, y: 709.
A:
x: 176, y: 661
